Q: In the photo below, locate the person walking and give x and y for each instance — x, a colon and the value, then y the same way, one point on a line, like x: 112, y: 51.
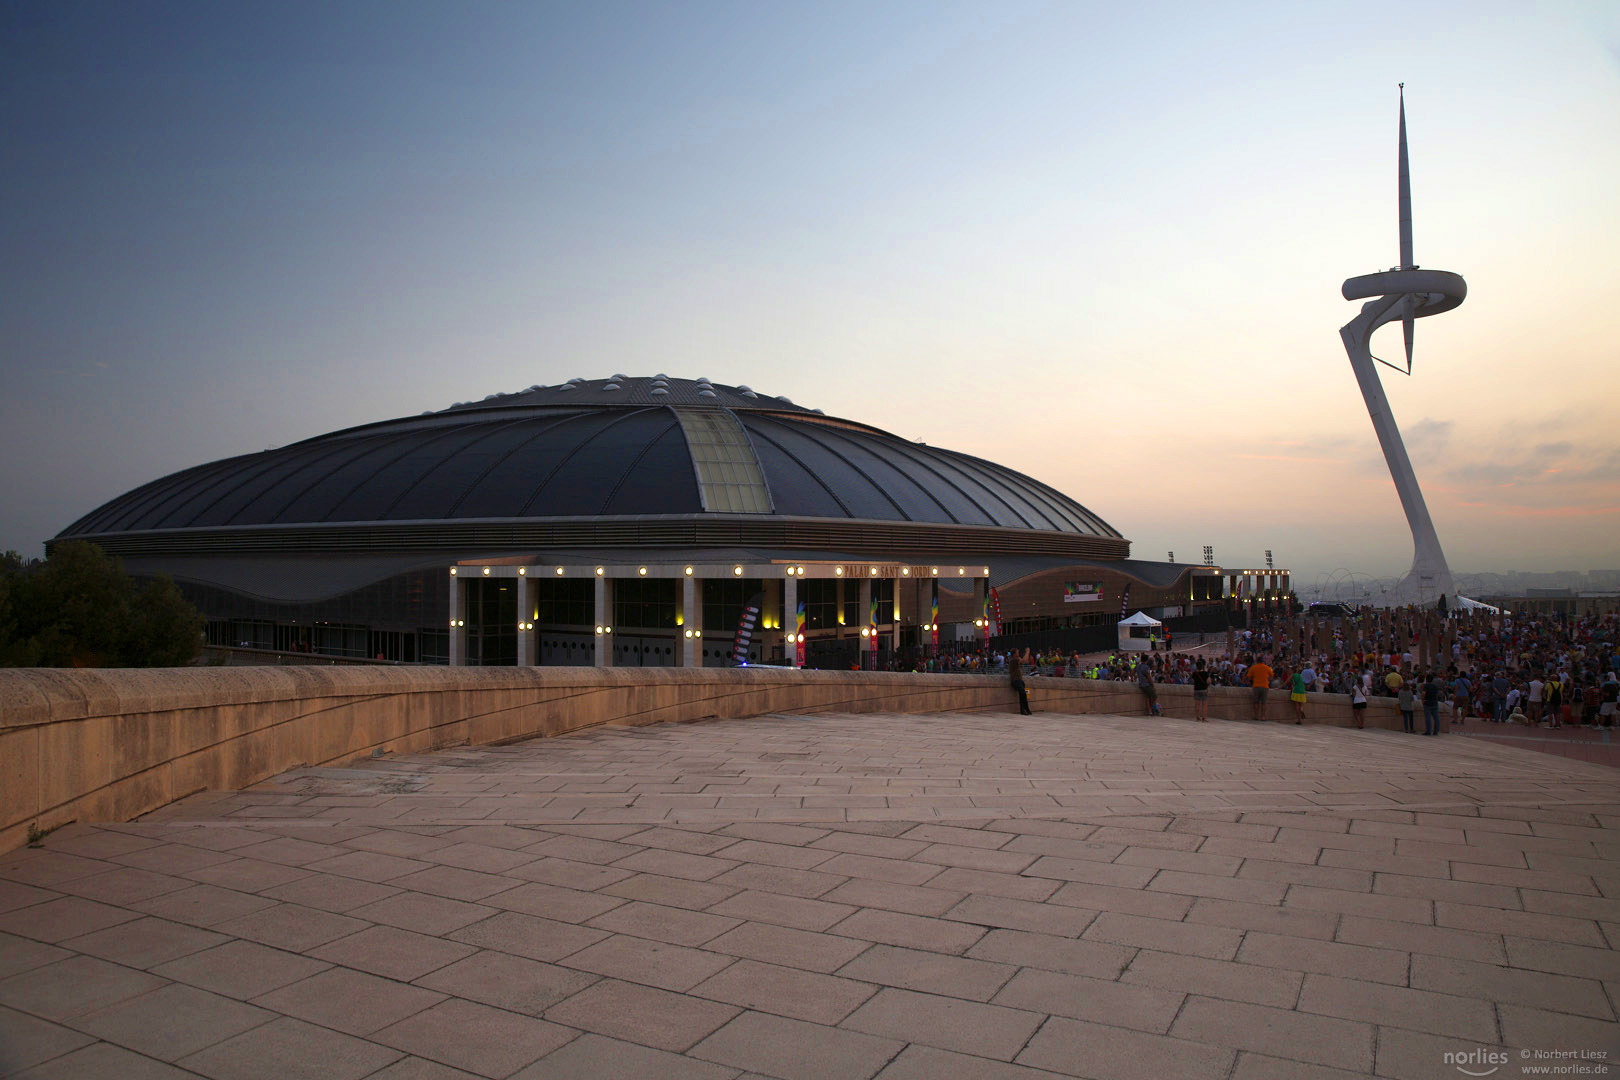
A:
x: 1015, y: 676
x: 1296, y: 694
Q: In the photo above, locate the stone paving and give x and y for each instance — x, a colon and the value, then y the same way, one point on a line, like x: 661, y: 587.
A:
x: 841, y: 896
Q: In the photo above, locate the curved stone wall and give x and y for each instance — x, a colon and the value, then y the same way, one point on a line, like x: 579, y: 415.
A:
x: 110, y: 745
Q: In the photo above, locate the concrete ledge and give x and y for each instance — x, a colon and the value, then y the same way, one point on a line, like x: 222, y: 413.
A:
x: 113, y: 744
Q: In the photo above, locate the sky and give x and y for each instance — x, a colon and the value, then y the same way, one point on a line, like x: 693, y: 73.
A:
x: 1099, y: 243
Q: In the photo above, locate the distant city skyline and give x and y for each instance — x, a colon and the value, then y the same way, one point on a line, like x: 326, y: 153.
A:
x: 1099, y: 246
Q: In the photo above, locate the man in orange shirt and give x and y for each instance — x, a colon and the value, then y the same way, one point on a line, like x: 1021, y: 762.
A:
x: 1259, y: 681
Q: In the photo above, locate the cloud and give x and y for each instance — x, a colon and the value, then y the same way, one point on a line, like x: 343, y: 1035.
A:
x: 1428, y: 436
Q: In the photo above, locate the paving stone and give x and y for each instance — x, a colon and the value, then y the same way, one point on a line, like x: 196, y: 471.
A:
x: 172, y: 858
x: 434, y: 915
x: 1095, y: 873
x: 1412, y: 938
x: 1550, y: 956
x: 641, y: 1014
x: 883, y: 847
x: 1119, y: 1004
x: 287, y: 1049
x: 1000, y: 911
x: 593, y: 1057
x: 554, y: 902
x: 21, y: 954
x: 895, y: 871
x: 240, y: 969
x: 908, y: 899
x: 919, y: 1062
x: 659, y: 923
x: 367, y: 865
x: 1217, y: 887
x: 930, y: 972
x: 203, y: 905
x: 330, y: 892
x: 1416, y: 1055
x: 1342, y: 1044
x: 1110, y: 1053
x: 172, y: 1021
x: 514, y: 983
x: 1543, y: 1029
x: 1215, y: 978
x: 1252, y: 1066
x: 1325, y: 957
x: 910, y: 931
x: 63, y: 918
x: 945, y: 1022
x: 247, y: 875
x: 583, y: 849
x: 788, y: 947
x: 1338, y: 902
x: 350, y: 1001
x: 46, y: 868
x: 794, y: 1050
x: 759, y: 851
x: 1045, y: 952
x: 26, y: 1040
x: 1493, y: 983
x: 74, y: 986
x: 653, y: 963
x: 1154, y: 905
x: 671, y: 892
x: 477, y: 1038
x: 1291, y: 873
x: 782, y: 910
x: 1528, y: 924
x: 802, y: 995
x: 1397, y: 1006
x: 415, y: 1068
x: 1214, y: 942
x: 292, y: 927
x: 98, y: 1061
x: 14, y: 894
x: 1270, y: 918
x: 124, y: 886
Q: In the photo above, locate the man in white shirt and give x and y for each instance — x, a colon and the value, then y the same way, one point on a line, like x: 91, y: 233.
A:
x: 1536, y: 687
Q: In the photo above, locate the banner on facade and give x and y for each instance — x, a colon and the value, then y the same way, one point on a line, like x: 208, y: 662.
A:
x: 744, y: 639
x: 1075, y: 592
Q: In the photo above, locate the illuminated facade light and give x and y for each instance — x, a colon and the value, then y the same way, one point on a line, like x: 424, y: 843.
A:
x: 737, y: 570
x: 642, y: 570
x: 960, y: 571
x: 865, y: 632
x: 801, y: 571
x: 599, y: 571
x: 791, y: 638
x: 839, y: 570
x: 486, y: 571
x: 905, y: 571
x: 559, y: 571
x: 874, y: 572
x: 688, y: 571
x: 607, y: 629
x: 523, y: 571
x: 598, y: 629
x: 452, y: 571
x: 689, y: 633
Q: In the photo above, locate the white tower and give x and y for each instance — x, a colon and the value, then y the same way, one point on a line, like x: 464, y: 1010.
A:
x: 1406, y: 293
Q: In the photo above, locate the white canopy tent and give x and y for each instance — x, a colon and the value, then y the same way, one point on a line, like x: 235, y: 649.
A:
x: 1136, y: 634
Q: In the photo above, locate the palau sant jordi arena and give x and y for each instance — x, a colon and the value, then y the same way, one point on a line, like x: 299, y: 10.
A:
x: 635, y: 522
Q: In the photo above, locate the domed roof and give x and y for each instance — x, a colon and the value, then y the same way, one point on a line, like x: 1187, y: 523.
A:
x: 601, y: 448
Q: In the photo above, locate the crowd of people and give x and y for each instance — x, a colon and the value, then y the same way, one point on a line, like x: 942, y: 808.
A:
x: 1548, y: 670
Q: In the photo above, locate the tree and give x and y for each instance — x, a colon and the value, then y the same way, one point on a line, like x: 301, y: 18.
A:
x: 78, y: 608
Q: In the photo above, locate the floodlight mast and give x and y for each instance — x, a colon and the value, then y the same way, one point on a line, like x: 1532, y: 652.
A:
x: 1406, y: 293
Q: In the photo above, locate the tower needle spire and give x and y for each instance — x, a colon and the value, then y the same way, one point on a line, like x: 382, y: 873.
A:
x: 1405, y: 195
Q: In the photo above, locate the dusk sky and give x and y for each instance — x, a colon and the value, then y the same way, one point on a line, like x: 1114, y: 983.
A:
x: 1099, y: 243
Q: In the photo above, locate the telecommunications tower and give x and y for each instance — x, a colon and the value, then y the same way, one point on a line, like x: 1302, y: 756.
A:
x: 1405, y: 293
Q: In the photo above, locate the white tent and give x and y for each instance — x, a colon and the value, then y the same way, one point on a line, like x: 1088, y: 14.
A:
x: 1136, y: 633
